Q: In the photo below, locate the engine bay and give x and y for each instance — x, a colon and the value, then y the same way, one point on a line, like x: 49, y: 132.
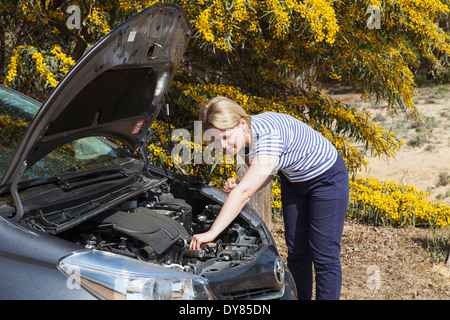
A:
x: 158, y: 226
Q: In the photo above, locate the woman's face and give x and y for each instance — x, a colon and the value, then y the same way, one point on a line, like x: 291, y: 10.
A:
x: 232, y: 140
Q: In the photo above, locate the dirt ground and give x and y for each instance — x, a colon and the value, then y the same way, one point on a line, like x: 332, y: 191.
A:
x: 424, y: 158
x: 383, y: 263
x: 380, y: 263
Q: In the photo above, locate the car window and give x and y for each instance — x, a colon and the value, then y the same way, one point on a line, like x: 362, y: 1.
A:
x: 79, y: 155
x: 16, y: 113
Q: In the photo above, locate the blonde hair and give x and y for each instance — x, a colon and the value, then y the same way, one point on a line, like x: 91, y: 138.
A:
x: 222, y: 113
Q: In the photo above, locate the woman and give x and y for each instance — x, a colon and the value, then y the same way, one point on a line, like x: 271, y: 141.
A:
x: 314, y: 188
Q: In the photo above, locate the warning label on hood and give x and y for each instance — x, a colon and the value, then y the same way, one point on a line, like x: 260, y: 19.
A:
x: 137, y: 127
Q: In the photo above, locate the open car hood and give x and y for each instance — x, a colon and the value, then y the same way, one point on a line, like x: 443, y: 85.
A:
x: 115, y: 90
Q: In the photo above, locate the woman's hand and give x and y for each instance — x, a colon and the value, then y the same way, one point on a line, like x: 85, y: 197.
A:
x: 200, y: 240
x: 229, y: 185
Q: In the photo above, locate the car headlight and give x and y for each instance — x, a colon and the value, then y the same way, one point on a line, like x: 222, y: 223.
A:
x: 112, y: 276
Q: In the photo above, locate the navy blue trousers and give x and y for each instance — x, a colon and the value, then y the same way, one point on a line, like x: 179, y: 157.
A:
x: 314, y: 212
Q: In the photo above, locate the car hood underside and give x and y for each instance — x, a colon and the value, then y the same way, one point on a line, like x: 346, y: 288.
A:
x: 115, y: 90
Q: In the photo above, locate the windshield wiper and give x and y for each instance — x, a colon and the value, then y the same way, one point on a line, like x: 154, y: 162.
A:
x: 72, y: 180
x: 66, y: 181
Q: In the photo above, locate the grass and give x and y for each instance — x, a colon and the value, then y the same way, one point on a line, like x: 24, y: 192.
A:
x: 444, y: 179
x: 442, y: 196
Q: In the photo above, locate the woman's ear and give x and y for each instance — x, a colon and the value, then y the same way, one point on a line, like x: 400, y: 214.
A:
x: 243, y: 124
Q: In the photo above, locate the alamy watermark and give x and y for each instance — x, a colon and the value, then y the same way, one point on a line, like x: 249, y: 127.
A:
x: 74, y: 278
x: 374, y: 19
x: 213, y: 153
x: 74, y: 20
x: 374, y: 280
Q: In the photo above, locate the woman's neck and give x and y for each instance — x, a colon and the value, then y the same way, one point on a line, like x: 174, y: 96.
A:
x: 247, y: 141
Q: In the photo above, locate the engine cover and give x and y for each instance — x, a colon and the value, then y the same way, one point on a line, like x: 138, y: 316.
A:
x: 157, y: 231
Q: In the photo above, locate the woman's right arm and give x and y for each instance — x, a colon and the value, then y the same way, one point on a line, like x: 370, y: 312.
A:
x: 256, y: 177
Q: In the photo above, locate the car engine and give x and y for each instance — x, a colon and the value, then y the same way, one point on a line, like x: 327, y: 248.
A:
x: 159, y: 228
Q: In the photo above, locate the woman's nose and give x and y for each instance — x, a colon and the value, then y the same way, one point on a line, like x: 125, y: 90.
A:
x: 223, y: 144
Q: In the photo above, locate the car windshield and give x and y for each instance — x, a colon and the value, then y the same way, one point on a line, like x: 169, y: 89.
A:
x: 16, y: 113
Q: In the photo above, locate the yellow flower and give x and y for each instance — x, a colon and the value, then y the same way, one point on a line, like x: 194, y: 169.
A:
x: 66, y: 61
x: 43, y: 69
x: 203, y: 25
x: 12, y: 67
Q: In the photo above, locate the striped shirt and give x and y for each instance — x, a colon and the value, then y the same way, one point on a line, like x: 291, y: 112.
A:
x: 303, y: 152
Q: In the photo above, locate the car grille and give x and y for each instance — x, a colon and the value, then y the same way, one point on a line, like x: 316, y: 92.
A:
x: 258, y: 294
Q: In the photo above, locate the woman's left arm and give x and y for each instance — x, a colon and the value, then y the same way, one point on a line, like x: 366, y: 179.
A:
x: 259, y: 173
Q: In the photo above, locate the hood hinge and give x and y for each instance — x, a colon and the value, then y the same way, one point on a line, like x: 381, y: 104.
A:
x: 15, y: 193
x: 143, y: 147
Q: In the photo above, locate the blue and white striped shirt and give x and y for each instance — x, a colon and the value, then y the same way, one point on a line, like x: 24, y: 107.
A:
x: 303, y: 152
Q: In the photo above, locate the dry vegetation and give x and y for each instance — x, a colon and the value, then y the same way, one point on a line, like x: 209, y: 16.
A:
x: 408, y: 262
x: 401, y: 263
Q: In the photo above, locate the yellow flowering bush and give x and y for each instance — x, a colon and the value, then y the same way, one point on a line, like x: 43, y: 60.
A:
x: 31, y: 67
x: 12, y: 67
x: 383, y: 202
x: 43, y: 69
x: 64, y: 61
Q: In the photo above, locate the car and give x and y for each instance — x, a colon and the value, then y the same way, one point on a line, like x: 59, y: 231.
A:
x: 82, y: 218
